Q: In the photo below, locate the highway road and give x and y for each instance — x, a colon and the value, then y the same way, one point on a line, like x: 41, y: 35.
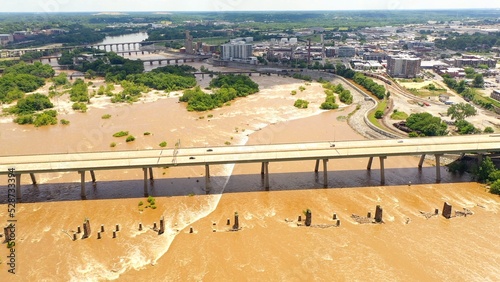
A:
x: 249, y: 154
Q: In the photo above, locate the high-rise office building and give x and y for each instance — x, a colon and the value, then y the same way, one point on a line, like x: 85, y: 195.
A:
x: 403, y: 66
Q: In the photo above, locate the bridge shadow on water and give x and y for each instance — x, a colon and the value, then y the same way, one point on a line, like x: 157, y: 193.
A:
x: 186, y: 186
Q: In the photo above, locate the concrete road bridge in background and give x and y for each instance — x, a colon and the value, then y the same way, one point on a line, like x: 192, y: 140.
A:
x: 264, y: 154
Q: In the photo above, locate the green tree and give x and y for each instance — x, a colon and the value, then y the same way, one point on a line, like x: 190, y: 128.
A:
x: 427, y: 124
x: 79, y: 91
x: 485, y: 169
x: 461, y: 111
x: 32, y: 103
x: 478, y: 81
x: 464, y: 127
x: 495, y: 187
x: 469, y: 72
x: 60, y: 79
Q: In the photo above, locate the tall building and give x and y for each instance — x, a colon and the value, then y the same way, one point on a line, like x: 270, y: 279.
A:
x: 346, y: 51
x: 403, y: 66
x: 188, y: 44
x: 6, y: 38
x: 239, y: 50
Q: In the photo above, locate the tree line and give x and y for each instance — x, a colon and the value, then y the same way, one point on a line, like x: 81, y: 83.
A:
x: 226, y: 88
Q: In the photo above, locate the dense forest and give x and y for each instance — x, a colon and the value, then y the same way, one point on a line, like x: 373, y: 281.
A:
x: 86, y: 28
x: 469, y: 42
x: 21, y: 78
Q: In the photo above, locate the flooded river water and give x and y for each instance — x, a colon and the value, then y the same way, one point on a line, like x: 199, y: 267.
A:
x: 411, y: 245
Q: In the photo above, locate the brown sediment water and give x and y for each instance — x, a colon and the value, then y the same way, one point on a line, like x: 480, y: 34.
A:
x: 270, y: 245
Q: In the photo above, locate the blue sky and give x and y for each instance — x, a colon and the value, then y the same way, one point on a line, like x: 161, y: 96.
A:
x: 235, y: 5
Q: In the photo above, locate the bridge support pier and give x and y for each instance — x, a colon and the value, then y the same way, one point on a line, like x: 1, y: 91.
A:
x: 83, y: 193
x: 382, y: 170
x: 316, y: 167
x: 438, y: 168
x: 18, y: 187
x: 421, y: 162
x: 151, y: 173
x: 325, y: 173
x: 370, y: 161
x: 33, y: 178
x: 266, y: 175
x: 208, y: 184
x: 145, y: 170
x: 92, y: 175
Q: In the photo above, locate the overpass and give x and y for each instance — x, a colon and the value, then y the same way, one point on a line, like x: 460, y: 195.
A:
x: 264, y: 154
x: 131, y: 47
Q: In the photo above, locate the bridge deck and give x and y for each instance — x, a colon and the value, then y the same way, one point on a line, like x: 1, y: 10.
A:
x: 248, y: 154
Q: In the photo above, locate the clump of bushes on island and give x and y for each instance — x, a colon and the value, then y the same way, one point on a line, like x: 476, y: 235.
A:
x: 30, y: 110
x: 20, y: 78
x: 301, y: 104
x: 120, y: 134
x: 226, y: 88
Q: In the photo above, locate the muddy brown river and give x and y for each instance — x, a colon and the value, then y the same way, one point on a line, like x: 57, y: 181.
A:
x: 271, y: 245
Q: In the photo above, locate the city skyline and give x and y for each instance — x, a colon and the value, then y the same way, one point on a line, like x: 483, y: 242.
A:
x: 54, y: 6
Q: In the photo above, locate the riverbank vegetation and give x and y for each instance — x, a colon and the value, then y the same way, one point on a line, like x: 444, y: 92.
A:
x: 425, y: 124
x: 484, y: 172
x: 470, y: 94
x: 225, y: 88
x: 20, y: 78
x: 345, y: 96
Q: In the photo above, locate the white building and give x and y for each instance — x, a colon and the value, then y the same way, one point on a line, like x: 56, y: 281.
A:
x: 239, y: 50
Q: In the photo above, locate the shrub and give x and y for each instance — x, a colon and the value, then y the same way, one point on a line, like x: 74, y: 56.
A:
x: 120, y: 134
x: 79, y: 106
x: 64, y: 121
x: 147, y: 133
x: 210, y: 116
x: 130, y: 138
x: 485, y: 169
x: 227, y: 143
x: 24, y: 119
x: 495, y: 187
x: 328, y: 106
x: 46, y: 118
x: 488, y: 129
x: 379, y: 114
x: 31, y: 103
x: 112, y: 145
x: 294, y: 92
x: 163, y: 144
x: 141, y: 203
x: 301, y: 104
x: 151, y: 200
x: 494, y: 176
x: 106, y: 116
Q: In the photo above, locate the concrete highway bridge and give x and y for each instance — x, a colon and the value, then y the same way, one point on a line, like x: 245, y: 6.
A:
x: 130, y: 47
x: 264, y: 154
